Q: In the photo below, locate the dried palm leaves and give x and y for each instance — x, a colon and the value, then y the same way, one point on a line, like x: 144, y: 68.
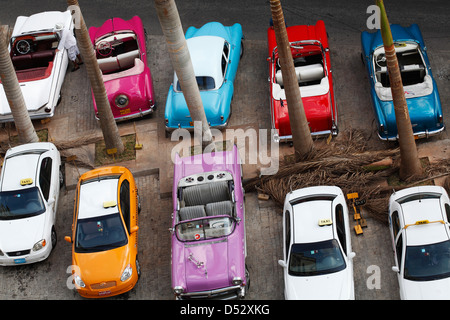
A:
x: 344, y: 163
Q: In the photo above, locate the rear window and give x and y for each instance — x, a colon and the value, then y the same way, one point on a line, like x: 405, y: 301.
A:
x: 204, y: 83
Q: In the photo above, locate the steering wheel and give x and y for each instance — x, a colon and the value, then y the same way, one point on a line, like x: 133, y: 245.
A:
x: 381, y: 60
x: 23, y: 46
x: 104, y: 48
x: 218, y: 224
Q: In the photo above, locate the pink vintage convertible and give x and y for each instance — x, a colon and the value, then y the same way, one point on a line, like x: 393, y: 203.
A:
x: 208, y: 231
x: 121, y: 52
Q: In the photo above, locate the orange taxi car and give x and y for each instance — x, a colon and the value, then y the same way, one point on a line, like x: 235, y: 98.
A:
x: 104, y: 233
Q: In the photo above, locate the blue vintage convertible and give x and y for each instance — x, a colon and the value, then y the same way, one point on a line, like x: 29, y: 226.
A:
x: 420, y: 88
x: 215, y: 53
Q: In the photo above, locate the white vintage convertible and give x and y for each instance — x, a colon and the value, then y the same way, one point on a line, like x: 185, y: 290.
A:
x: 40, y: 62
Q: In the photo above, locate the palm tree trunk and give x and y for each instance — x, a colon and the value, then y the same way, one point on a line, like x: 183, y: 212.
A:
x: 409, y: 163
x: 107, y: 123
x: 24, y: 126
x: 181, y: 61
x: 301, y: 135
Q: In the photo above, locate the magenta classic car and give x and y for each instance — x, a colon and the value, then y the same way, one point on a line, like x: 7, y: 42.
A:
x: 208, y: 231
x: 121, y: 51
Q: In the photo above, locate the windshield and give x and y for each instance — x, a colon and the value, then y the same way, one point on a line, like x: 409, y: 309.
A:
x: 428, y: 262
x: 19, y: 204
x: 204, y: 229
x: 100, y: 233
x: 316, y: 258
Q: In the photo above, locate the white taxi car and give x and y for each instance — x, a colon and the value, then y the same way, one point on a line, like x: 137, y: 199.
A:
x: 317, y: 255
x: 418, y: 223
x: 29, y: 191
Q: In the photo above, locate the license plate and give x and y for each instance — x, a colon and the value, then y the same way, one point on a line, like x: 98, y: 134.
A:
x: 104, y: 293
x: 125, y: 111
x: 19, y: 261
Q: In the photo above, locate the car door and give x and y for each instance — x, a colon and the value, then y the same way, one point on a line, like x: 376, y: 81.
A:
x: 128, y: 208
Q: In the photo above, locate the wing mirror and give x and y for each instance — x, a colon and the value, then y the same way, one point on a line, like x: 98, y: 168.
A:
x: 282, y: 263
x: 134, y: 229
x: 68, y: 239
x: 395, y: 269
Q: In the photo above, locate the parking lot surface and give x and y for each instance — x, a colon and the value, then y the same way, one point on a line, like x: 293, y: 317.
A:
x: 74, y: 119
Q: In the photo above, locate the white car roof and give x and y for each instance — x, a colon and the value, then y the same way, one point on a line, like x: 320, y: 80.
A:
x: 415, y: 209
x: 41, y: 22
x: 21, y: 163
x: 93, y: 196
x: 307, y: 213
x: 427, y: 209
x: 306, y: 221
x: 206, y: 57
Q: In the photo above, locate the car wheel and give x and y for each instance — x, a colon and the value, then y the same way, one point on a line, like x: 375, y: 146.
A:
x: 61, y: 177
x: 242, y: 50
x: 139, y: 203
x: 54, y: 238
x: 138, y: 268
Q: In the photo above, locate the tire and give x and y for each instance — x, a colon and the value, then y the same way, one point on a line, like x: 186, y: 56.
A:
x: 54, y: 238
x: 138, y: 268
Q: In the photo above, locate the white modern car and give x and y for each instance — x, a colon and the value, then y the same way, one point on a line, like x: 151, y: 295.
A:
x: 39, y: 61
x: 317, y: 255
x: 418, y: 223
x: 29, y: 191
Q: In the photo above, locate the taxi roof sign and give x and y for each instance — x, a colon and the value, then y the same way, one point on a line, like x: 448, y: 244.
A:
x: 27, y: 181
x: 325, y: 222
x: 421, y: 222
x: 109, y: 204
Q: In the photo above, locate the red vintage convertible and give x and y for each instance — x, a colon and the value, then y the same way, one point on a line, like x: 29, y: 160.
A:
x: 311, y: 54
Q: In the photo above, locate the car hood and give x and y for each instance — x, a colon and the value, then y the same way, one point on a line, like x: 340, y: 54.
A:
x: 102, y: 266
x: 426, y: 290
x: 21, y: 234
x: 35, y: 93
x: 333, y: 286
x: 206, y: 266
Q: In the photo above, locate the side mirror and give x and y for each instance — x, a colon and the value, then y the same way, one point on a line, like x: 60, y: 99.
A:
x: 282, y: 263
x: 134, y: 229
x: 51, y: 201
x: 395, y: 269
x: 351, y: 255
x: 68, y: 239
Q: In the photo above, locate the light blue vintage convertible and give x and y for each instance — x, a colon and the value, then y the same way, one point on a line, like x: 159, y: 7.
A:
x: 215, y: 53
x: 420, y: 88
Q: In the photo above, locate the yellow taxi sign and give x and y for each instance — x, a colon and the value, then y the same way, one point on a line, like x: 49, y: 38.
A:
x: 109, y: 204
x: 325, y: 222
x: 421, y: 222
x: 353, y: 195
x: 26, y: 181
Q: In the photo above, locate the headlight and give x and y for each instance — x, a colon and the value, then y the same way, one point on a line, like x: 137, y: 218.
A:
x: 237, y: 280
x: 121, y: 101
x: 178, y: 290
x: 126, y: 274
x: 39, y: 245
x: 78, y: 281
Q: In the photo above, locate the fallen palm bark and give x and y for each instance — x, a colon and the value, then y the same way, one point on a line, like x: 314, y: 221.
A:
x: 348, y: 167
